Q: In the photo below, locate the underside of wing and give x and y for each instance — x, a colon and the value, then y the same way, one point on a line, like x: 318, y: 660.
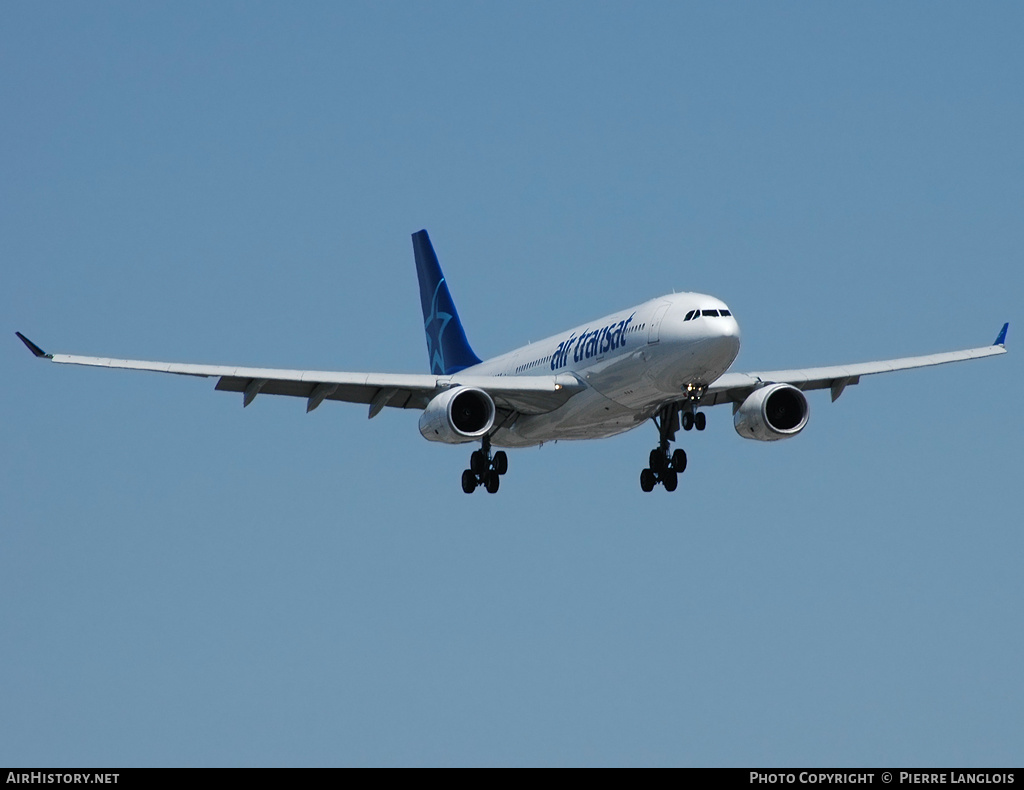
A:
x: 522, y: 394
x: 735, y: 387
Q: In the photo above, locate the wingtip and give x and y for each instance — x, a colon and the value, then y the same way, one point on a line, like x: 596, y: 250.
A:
x: 33, y: 347
x: 1001, y: 340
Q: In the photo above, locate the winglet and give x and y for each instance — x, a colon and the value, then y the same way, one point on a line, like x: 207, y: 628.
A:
x: 1001, y: 340
x: 38, y: 351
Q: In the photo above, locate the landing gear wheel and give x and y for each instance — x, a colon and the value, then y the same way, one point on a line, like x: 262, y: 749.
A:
x: 666, y: 465
x: 484, y: 469
x: 700, y: 421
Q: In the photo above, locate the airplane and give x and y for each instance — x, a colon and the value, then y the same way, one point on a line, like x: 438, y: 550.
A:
x: 664, y: 360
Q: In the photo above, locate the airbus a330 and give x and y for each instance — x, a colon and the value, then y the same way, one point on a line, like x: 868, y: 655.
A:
x: 665, y: 360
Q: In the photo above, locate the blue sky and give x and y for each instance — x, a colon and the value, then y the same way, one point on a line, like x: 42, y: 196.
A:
x: 185, y: 583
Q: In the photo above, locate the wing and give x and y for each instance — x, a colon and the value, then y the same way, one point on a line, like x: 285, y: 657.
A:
x: 523, y: 394
x: 735, y: 387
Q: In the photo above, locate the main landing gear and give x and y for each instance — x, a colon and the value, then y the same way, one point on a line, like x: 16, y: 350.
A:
x: 484, y: 470
x: 665, y: 467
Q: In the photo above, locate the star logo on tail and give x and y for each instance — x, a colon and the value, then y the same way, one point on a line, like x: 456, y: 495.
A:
x: 435, y: 326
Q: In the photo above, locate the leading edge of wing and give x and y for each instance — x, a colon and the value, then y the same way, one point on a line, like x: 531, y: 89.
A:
x: 735, y: 386
x: 526, y: 394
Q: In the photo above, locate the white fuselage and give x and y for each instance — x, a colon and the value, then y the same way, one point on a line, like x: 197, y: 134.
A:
x: 633, y: 362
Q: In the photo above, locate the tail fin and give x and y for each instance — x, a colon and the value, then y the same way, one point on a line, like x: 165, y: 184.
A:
x: 447, y: 346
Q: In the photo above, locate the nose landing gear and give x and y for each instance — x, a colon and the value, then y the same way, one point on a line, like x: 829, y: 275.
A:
x: 484, y: 470
x: 691, y: 420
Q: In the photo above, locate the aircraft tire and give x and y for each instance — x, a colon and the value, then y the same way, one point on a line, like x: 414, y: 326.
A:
x: 687, y: 420
x: 500, y: 462
x: 669, y: 479
x: 679, y: 461
x: 657, y: 460
x: 492, y: 482
x: 647, y: 481
x: 700, y: 421
x: 468, y: 481
x: 478, y: 462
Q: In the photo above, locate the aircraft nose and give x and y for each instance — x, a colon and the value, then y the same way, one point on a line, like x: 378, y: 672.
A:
x: 729, y: 327
x: 724, y: 336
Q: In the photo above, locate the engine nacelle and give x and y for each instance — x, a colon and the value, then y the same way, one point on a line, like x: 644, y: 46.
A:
x: 458, y: 415
x: 777, y: 411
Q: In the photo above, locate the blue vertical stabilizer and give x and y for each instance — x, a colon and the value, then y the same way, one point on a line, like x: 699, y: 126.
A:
x: 447, y: 346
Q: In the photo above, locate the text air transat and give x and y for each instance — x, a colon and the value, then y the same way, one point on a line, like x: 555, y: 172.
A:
x: 663, y: 360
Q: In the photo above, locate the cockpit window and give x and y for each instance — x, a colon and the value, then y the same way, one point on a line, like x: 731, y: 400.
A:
x: 724, y: 312
x: 690, y: 315
x: 709, y: 313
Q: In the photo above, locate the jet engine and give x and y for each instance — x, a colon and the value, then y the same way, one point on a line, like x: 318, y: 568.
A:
x: 458, y: 415
x: 777, y: 411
